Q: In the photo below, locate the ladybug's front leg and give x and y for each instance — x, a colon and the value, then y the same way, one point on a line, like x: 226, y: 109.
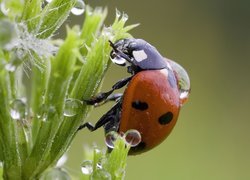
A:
x: 104, y: 95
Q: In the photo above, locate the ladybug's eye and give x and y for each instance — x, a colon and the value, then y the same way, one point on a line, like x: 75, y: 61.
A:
x: 182, y: 80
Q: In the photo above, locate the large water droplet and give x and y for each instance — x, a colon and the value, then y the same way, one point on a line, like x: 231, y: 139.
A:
x: 72, y: 107
x: 18, y: 109
x: 79, y: 8
x: 101, y: 174
x: 132, y: 137
x: 56, y: 174
x: 87, y: 167
x: 110, y: 139
x: 182, y: 79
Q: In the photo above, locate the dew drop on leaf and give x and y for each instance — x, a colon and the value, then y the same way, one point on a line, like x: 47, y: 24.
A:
x: 79, y: 8
x: 18, y: 109
x: 10, y: 67
x: 87, y: 167
x: 62, y: 161
x: 3, y: 8
x: 101, y: 174
x: 48, y: 1
x: 56, y: 174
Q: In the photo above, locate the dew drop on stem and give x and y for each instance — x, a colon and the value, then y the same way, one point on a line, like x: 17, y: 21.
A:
x: 110, y: 139
x: 72, y: 107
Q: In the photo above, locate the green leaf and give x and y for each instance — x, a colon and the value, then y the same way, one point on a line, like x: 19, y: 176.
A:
x: 53, y: 16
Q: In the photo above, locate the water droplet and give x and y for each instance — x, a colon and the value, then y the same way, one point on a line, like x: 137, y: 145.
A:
x: 116, y: 59
x: 72, y: 107
x: 118, y: 13
x: 110, y: 139
x: 42, y: 113
x: 20, y: 53
x: 62, y: 161
x: 119, y: 174
x: 48, y: 1
x: 3, y: 8
x: 87, y: 167
x: 18, y: 109
x: 56, y: 174
x: 108, y: 31
x: 182, y: 79
x: 124, y: 17
x: 99, y: 165
x: 10, y: 67
x: 79, y: 8
x: 132, y: 137
x: 101, y: 174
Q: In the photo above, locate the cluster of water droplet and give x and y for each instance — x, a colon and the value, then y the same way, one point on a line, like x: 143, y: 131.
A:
x: 132, y: 138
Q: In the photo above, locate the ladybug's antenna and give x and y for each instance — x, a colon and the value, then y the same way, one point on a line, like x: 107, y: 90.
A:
x: 113, y: 46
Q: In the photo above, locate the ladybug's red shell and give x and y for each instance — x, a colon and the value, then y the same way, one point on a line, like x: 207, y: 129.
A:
x: 151, y: 106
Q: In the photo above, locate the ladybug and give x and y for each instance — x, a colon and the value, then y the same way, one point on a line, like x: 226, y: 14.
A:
x: 152, y: 99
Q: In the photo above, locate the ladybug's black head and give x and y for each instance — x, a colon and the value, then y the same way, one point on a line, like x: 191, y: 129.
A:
x: 137, y: 54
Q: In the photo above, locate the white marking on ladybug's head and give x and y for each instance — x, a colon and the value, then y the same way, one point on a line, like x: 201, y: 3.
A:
x: 140, y: 55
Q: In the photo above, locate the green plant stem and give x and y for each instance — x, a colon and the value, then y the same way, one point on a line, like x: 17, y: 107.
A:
x: 61, y: 71
x: 12, y: 166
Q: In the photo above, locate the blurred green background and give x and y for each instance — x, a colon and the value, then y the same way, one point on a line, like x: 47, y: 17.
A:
x: 211, y: 39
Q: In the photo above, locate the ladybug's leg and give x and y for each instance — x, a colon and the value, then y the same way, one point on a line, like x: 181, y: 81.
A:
x: 104, y: 95
x: 109, y: 118
x: 112, y: 97
x: 101, y: 122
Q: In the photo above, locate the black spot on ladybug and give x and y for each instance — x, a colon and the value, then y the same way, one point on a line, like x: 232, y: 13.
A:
x: 140, y: 105
x: 141, y: 146
x: 171, y: 79
x: 165, y: 118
